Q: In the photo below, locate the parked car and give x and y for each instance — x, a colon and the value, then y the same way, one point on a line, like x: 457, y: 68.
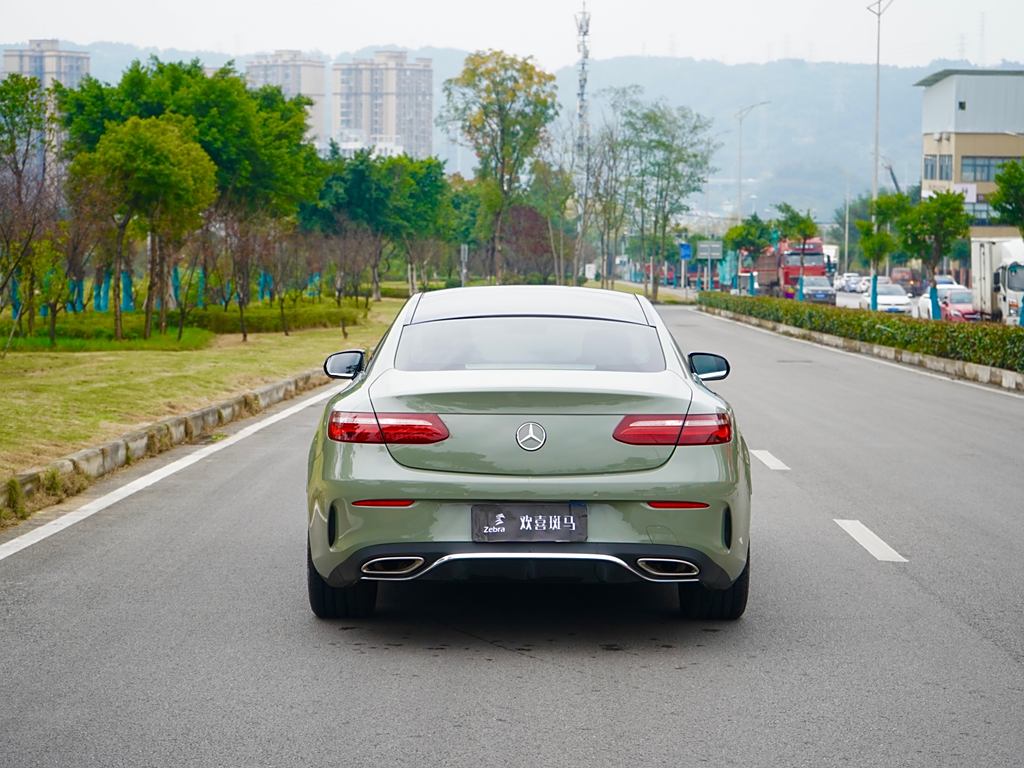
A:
x: 818, y: 290
x: 847, y: 281
x: 528, y: 433
x: 957, y: 306
x: 923, y: 305
x: 865, y: 282
x: 891, y: 298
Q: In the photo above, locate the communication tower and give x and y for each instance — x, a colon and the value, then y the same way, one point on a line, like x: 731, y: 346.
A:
x: 583, y: 46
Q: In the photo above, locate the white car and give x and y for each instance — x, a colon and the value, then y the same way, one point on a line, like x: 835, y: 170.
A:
x: 891, y: 298
x: 923, y: 305
x: 865, y: 282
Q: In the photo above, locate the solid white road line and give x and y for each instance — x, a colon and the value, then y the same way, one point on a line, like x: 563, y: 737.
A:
x: 870, y: 541
x: 991, y: 388
x: 768, y: 460
x: 88, y: 510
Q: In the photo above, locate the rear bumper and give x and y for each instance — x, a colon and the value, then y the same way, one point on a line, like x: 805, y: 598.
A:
x: 582, y: 562
x: 621, y: 525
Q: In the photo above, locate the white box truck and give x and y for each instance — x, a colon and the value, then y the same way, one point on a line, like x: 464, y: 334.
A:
x: 997, y: 278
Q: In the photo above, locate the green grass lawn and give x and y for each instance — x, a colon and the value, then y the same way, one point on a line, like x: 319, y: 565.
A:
x: 54, y: 403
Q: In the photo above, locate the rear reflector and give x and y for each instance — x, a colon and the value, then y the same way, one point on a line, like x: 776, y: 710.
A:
x: 414, y: 428
x: 383, y: 503
x: 677, y: 505
x: 661, y: 429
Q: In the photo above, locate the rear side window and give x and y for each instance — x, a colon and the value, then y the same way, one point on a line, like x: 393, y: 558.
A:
x: 567, y: 343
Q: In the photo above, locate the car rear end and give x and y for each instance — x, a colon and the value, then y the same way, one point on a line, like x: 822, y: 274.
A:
x: 529, y: 446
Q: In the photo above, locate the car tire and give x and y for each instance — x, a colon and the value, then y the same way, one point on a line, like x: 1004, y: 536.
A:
x: 698, y: 602
x: 355, y: 601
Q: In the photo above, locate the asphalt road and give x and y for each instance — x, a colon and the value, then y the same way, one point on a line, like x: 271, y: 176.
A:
x: 171, y: 628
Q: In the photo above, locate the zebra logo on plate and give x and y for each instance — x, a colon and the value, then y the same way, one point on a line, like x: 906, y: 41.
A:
x: 531, y: 436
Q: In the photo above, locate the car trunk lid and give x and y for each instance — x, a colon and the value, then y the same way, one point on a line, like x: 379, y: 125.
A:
x: 576, y: 411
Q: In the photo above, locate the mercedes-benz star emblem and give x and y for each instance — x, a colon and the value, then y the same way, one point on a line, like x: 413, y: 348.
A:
x: 531, y: 436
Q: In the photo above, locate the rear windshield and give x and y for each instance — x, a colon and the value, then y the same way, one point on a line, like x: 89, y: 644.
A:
x: 817, y: 282
x: 960, y: 297
x: 810, y: 259
x: 886, y: 289
x: 489, y: 343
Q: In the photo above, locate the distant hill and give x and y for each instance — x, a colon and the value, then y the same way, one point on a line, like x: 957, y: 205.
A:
x: 808, y: 146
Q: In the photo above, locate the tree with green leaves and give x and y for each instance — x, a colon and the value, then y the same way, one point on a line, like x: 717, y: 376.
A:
x: 551, y: 189
x: 29, y: 198
x: 671, y: 149
x: 877, y: 240
x: 501, y: 105
x: 931, y: 229
x: 152, y: 169
x: 1008, y: 199
x: 794, y: 225
x: 256, y: 140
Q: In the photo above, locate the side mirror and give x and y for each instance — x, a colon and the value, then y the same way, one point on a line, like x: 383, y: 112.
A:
x: 345, y: 365
x: 708, y: 366
x: 995, y: 281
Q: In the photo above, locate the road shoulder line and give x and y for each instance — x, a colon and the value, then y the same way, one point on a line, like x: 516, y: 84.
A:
x: 47, y: 530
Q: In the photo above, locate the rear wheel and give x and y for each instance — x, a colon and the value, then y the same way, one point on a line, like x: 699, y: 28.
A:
x: 699, y: 602
x: 354, y: 601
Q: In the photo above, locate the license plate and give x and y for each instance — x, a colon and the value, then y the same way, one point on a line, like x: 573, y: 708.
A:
x: 819, y: 295
x: 529, y: 522
x: 893, y: 309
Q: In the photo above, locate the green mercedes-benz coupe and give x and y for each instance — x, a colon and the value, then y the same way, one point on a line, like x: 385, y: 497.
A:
x: 528, y: 433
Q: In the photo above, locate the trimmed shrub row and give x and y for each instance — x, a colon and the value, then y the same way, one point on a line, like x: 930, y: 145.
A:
x: 1000, y: 346
x: 259, y: 318
x: 262, y: 319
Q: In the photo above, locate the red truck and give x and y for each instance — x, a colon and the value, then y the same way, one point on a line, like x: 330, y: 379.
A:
x: 778, y: 268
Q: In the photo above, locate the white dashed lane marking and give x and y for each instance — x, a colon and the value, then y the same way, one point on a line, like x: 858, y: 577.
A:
x: 870, y: 541
x: 769, y: 460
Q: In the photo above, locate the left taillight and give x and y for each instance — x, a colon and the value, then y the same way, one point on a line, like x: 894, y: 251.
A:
x: 395, y: 428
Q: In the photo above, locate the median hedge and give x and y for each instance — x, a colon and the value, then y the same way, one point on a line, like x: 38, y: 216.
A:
x: 1000, y: 346
x: 259, y: 318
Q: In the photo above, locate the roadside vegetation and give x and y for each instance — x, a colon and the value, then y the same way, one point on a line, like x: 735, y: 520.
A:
x: 998, y: 346
x: 56, y: 403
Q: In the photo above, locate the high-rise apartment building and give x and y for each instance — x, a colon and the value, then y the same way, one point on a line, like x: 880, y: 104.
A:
x: 45, y: 61
x: 296, y: 74
x: 972, y: 122
x: 386, y: 103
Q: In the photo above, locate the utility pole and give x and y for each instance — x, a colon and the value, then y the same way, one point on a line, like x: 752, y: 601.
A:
x: 846, y: 234
x: 878, y: 8
x: 739, y: 161
x: 582, y: 138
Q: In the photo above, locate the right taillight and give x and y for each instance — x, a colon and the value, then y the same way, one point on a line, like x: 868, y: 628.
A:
x: 706, y: 429
x: 408, y: 428
x: 669, y: 429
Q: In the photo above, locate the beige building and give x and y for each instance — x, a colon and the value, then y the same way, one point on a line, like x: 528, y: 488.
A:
x: 296, y: 73
x: 45, y: 61
x: 386, y: 103
x: 972, y: 121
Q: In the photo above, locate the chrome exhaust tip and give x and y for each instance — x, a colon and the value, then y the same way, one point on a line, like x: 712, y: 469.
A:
x: 668, y: 567
x: 392, y: 566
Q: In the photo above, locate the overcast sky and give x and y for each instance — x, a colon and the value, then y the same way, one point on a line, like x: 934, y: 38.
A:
x: 913, y: 31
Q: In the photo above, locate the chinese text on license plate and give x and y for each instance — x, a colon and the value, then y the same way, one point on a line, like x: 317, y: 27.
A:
x: 529, y: 522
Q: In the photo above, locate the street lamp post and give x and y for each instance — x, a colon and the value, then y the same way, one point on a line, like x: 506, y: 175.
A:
x: 739, y: 161
x: 878, y: 8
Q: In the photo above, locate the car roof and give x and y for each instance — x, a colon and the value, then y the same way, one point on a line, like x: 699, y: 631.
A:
x: 535, y: 300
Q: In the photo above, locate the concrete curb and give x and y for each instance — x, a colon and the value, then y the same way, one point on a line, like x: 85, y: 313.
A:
x: 956, y: 369
x: 73, y: 472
